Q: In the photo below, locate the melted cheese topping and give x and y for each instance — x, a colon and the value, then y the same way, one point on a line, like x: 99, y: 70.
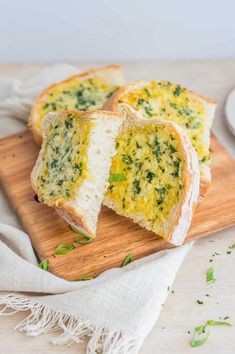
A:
x: 146, y: 175
x: 173, y: 102
x: 64, y: 162
x: 81, y: 95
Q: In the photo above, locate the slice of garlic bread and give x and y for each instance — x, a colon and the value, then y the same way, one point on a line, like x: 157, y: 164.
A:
x: 86, y: 91
x: 72, y: 170
x: 154, y: 177
x: 173, y: 102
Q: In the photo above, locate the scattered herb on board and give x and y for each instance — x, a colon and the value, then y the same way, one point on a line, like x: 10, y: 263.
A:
x: 197, y: 340
x: 43, y: 265
x: 64, y: 248
x: 128, y: 259
x: 117, y: 177
x: 210, y: 276
x: 83, y: 239
x: 84, y: 278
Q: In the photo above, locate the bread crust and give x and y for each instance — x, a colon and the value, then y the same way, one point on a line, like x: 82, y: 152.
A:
x: 64, y: 208
x: 190, y: 195
x: 33, y: 118
x: 112, y: 105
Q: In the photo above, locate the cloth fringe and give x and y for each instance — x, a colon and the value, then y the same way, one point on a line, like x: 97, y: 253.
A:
x: 45, y: 320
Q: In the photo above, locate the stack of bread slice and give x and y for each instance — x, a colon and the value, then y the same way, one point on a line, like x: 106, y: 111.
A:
x: 155, y: 167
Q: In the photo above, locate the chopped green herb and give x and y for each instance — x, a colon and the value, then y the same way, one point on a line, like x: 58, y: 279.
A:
x: 127, y: 159
x: 64, y: 248
x: 43, y: 265
x: 210, y: 276
x: 208, y: 295
x: 117, y: 177
x: 196, y: 341
x: 136, y: 187
x: 229, y: 252
x: 84, y: 278
x: 226, y: 317
x: 177, y: 91
x: 83, y: 238
x: 128, y: 259
x: 217, y: 323
x: 200, y: 302
x: 232, y: 246
x: 150, y: 176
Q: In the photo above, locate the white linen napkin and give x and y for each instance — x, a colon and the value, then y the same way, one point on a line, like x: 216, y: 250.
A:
x: 116, y: 310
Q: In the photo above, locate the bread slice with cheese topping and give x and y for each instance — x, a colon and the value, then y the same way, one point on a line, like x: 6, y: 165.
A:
x: 154, y: 177
x: 173, y: 102
x: 72, y: 170
x: 83, y: 92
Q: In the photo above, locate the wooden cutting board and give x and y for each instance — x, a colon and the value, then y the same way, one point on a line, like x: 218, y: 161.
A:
x: 116, y: 236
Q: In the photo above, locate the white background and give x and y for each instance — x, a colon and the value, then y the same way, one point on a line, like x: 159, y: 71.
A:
x: 112, y: 30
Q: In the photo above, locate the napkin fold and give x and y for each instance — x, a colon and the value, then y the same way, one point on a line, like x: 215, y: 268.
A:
x: 116, y: 310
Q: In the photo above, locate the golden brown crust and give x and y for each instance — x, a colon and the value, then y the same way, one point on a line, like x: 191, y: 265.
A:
x: 205, y: 184
x: 32, y: 124
x: 112, y: 102
x: 112, y: 105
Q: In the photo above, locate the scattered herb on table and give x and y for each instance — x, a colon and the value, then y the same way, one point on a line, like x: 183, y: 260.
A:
x: 128, y: 259
x: 197, y: 340
x: 200, y: 302
x: 210, y: 276
x: 43, y: 265
x: 64, y: 248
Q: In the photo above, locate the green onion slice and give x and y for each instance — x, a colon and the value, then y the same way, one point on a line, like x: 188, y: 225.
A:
x: 43, y: 265
x: 128, y: 259
x: 83, y: 238
x: 232, y: 246
x: 210, y: 276
x: 117, y: 177
x: 84, y: 278
x: 196, y: 340
x: 64, y: 248
x: 217, y: 323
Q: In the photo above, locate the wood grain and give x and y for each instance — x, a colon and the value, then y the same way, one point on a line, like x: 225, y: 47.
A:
x: 116, y: 235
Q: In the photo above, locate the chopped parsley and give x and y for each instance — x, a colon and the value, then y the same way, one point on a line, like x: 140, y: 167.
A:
x: 117, y: 177
x: 136, y: 187
x: 128, y: 259
x: 210, y: 276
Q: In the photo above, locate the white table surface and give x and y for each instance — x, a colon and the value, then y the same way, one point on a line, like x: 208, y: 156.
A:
x: 181, y: 312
